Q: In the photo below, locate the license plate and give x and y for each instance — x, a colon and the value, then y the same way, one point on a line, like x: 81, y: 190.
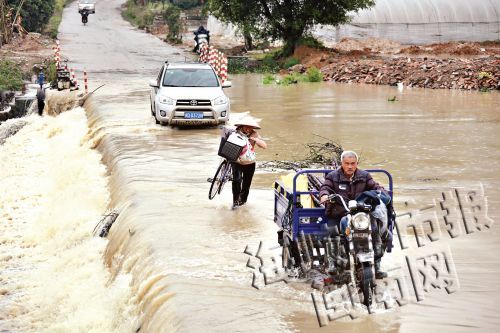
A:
x: 360, y: 234
x: 193, y: 115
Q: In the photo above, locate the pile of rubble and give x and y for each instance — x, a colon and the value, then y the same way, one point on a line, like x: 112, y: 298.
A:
x: 453, y: 73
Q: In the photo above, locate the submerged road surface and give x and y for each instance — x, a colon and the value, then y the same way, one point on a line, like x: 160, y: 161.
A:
x: 185, y: 253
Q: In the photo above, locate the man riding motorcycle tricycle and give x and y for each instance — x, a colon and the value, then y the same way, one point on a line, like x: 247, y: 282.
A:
x: 348, y: 183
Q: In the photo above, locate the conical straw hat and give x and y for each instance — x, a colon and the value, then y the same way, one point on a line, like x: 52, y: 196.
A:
x: 247, y: 121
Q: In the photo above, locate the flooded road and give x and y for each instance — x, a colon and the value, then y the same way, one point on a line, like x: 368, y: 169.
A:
x: 185, y: 253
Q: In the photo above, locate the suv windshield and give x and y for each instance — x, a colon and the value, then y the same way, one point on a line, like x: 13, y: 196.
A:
x: 190, y: 77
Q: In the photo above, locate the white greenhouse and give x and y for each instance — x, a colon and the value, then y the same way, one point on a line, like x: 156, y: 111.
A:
x: 412, y: 22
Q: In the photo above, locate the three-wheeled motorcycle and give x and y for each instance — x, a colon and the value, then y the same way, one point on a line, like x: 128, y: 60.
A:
x: 304, y: 233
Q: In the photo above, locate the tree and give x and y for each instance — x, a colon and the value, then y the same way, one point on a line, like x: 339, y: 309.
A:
x: 286, y: 20
x: 35, y: 13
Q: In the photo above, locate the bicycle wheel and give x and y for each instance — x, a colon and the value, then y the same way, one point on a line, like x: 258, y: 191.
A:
x: 225, y: 176
x: 218, y: 180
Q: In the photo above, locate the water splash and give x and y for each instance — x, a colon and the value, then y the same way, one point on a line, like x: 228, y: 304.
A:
x: 54, y: 190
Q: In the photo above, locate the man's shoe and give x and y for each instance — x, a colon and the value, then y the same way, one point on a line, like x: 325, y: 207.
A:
x: 236, y: 204
x: 379, y: 274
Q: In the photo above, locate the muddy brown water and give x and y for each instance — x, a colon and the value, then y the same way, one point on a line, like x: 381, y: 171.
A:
x: 185, y: 253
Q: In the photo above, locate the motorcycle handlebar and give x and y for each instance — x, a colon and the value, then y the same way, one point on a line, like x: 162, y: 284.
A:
x: 332, y: 198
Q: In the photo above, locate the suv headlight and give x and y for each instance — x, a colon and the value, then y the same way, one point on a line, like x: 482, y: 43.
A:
x: 166, y: 100
x: 361, y: 221
x: 220, y: 100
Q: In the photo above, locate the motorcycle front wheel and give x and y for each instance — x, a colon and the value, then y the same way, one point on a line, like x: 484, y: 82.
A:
x: 366, y: 285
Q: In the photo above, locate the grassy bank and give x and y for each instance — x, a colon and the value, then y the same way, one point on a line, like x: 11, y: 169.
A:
x: 11, y: 76
x: 53, y: 26
x: 270, y: 62
x: 143, y: 17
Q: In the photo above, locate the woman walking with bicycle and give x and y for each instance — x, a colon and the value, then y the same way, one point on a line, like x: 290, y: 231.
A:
x: 244, y: 167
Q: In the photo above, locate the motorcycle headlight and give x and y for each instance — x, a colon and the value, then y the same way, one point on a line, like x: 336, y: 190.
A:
x: 166, y: 100
x: 220, y: 100
x: 361, y: 221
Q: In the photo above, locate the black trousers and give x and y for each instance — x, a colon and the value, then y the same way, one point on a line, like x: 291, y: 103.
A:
x: 41, y: 105
x: 242, y: 179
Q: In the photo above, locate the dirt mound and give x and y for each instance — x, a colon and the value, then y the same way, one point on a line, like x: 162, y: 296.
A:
x: 309, y: 56
x: 31, y: 42
x: 454, y: 49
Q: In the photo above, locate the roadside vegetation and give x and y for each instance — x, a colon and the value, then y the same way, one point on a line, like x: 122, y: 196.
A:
x: 272, y: 62
x: 53, y: 25
x: 34, y: 14
x: 11, y: 76
x: 144, y: 13
x: 311, y: 75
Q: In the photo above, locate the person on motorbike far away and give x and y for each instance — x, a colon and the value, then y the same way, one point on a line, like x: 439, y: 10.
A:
x: 85, y: 16
x: 349, y: 182
x: 201, y: 31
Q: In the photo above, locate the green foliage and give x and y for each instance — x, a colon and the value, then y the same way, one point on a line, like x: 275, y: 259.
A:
x: 53, y: 25
x: 269, y: 65
x: 314, y: 74
x: 268, y: 79
x: 172, y: 17
x: 237, y: 65
x: 35, y: 13
x: 143, y: 16
x: 244, y: 65
x: 51, y: 72
x: 484, y: 75
x: 186, y: 4
x: 292, y: 78
x: 11, y: 76
x: 287, y: 20
x: 311, y: 42
x: 290, y: 62
x: 138, y: 15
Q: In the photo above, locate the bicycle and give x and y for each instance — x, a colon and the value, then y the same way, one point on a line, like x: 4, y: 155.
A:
x: 230, y: 150
x: 222, y: 175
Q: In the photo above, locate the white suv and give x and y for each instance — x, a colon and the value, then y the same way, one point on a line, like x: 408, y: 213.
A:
x: 86, y: 4
x: 189, y: 94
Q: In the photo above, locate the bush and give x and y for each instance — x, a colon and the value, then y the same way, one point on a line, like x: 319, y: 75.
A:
x: 51, y: 72
x: 292, y: 78
x: 186, y: 4
x: 314, y: 75
x: 11, y: 76
x: 484, y: 75
x: 311, y: 42
x: 268, y: 79
x: 268, y: 65
x: 52, y: 26
x: 237, y: 65
x: 172, y: 17
x: 290, y: 62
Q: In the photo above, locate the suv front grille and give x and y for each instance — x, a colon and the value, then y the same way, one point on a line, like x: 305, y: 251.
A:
x: 194, y: 102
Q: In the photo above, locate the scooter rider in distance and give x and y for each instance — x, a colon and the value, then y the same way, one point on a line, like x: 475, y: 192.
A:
x: 201, y: 31
x: 349, y: 182
x: 85, y: 15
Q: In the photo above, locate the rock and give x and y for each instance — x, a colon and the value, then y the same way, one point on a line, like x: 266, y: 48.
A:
x: 299, y: 68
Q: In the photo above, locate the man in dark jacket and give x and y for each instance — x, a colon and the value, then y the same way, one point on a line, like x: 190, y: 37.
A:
x: 349, y: 182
